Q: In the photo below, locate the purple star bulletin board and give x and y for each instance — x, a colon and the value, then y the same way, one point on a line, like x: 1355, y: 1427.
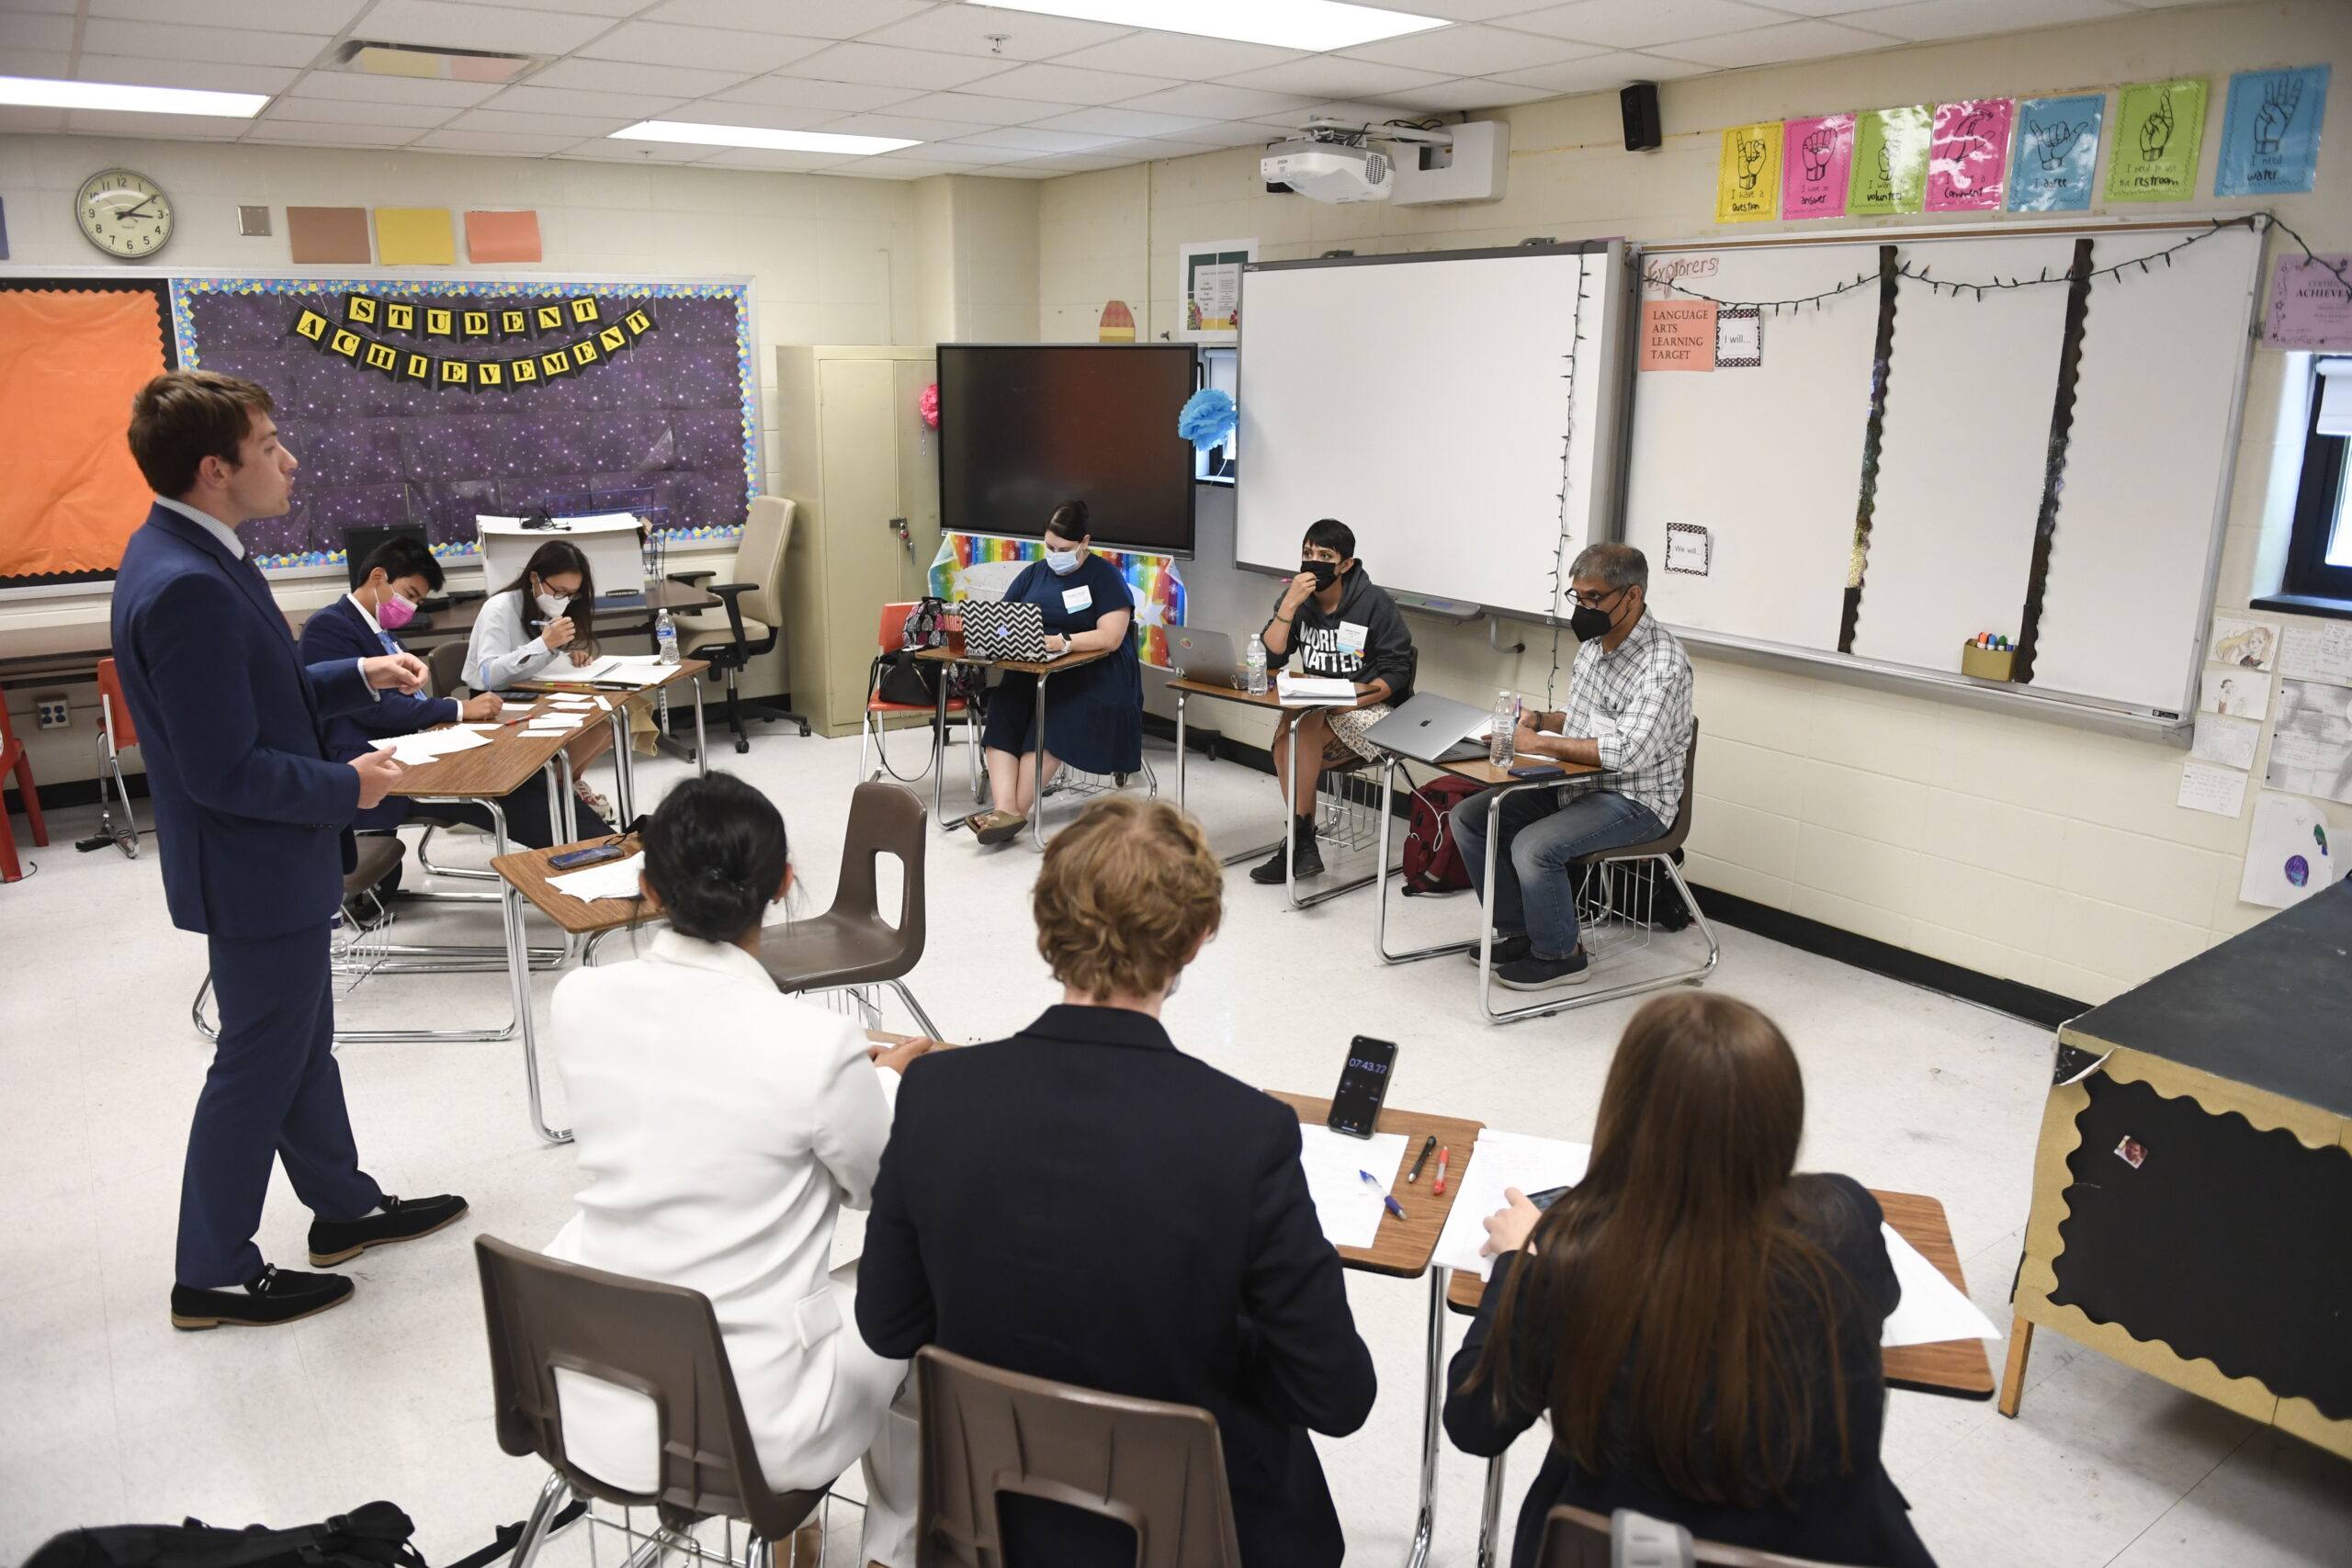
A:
x: 675, y: 412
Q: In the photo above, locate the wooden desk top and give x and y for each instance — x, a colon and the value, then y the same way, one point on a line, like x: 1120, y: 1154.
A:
x: 499, y: 767
x: 527, y: 871
x: 1020, y: 666
x: 684, y: 670
x: 1955, y: 1366
x: 1404, y: 1247
x: 1265, y: 699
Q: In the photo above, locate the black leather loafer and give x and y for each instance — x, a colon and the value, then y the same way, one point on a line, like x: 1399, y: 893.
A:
x: 272, y: 1296
x: 332, y: 1241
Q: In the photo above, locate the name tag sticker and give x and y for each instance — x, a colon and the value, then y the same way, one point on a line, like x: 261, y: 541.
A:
x: 1351, y: 636
x: 1077, y: 599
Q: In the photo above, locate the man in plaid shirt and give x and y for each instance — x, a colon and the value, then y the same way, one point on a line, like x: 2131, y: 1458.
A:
x: 1629, y: 714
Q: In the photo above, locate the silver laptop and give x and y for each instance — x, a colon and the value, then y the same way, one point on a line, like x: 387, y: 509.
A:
x: 1197, y: 653
x: 1431, y: 728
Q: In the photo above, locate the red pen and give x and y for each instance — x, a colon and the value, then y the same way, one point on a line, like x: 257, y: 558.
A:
x: 1438, y: 1186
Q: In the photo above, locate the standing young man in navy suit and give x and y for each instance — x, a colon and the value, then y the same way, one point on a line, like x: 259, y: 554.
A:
x: 253, y: 825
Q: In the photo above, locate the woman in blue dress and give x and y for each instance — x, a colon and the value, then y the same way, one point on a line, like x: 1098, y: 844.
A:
x: 1093, y: 711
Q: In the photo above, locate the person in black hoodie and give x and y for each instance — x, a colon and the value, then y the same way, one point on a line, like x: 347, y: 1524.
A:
x: 1341, y: 625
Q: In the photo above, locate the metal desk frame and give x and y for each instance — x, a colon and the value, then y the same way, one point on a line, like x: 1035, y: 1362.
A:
x: 1288, y: 844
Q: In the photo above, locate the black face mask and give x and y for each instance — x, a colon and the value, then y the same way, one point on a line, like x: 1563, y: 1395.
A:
x: 1326, y: 572
x: 1588, y: 622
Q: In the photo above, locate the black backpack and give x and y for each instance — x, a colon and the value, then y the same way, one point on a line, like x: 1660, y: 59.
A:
x: 374, y: 1535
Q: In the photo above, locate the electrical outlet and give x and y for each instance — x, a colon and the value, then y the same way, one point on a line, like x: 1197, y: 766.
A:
x: 52, y: 712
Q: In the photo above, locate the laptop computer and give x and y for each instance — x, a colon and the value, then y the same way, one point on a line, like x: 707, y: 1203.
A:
x: 997, y: 629
x: 1197, y: 653
x: 1431, y: 728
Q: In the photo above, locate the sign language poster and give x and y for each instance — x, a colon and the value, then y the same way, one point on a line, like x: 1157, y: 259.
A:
x: 1890, y: 160
x: 1968, y: 153
x: 2271, y: 131
x: 1747, y: 181
x: 2055, y: 153
x: 1817, y: 163
x: 2158, y: 128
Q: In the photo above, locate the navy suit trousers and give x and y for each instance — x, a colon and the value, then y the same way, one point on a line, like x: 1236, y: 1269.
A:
x: 273, y: 1090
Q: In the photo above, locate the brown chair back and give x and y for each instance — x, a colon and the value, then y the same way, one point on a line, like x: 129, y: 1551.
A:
x: 1678, y: 831
x: 849, y: 944
x: 661, y: 1340
x: 446, y: 665
x: 1154, y: 1467
x: 759, y: 556
x: 1574, y: 1538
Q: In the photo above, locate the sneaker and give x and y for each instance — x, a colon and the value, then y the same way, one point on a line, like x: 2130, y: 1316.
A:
x: 1271, y: 872
x: 998, y: 826
x: 1508, y: 948
x: 272, y: 1296
x: 332, y: 1241
x: 1533, y: 974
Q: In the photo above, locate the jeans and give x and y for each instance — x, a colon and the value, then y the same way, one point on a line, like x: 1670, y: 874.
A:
x: 1535, y: 892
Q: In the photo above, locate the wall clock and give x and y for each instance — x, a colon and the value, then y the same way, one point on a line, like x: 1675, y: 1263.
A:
x: 123, y: 213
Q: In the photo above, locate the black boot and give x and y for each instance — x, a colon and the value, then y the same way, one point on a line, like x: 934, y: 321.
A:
x: 1309, y: 861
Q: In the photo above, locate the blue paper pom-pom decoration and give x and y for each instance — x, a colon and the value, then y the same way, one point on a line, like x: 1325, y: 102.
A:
x: 1208, y: 418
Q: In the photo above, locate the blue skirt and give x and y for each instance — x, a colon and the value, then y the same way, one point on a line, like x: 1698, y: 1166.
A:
x: 1093, y: 715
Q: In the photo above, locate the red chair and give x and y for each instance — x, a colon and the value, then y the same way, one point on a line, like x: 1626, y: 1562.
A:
x: 116, y: 731
x: 890, y: 639
x: 13, y: 760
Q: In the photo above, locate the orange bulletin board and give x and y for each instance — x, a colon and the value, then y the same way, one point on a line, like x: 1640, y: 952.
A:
x: 69, y: 361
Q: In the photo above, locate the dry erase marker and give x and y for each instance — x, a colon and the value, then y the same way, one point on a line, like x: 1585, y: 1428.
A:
x: 1439, y: 1185
x: 1422, y: 1159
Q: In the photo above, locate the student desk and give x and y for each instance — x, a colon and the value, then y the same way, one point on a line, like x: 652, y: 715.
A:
x: 527, y: 877
x: 1955, y: 1366
x: 458, y: 620
x: 954, y: 654
x: 624, y: 754
x: 1185, y: 691
x: 2192, y: 1188
x: 1403, y: 1248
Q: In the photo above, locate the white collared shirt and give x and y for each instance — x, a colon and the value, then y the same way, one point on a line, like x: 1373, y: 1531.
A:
x: 367, y: 615
x: 209, y: 523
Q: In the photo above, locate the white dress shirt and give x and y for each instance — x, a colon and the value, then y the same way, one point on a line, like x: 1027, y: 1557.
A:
x: 721, y: 1127
x: 502, y: 648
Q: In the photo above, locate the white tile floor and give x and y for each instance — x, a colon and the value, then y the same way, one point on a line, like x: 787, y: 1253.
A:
x: 108, y: 1414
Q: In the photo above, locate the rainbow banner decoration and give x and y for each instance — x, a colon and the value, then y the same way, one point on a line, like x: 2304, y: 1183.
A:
x: 977, y: 565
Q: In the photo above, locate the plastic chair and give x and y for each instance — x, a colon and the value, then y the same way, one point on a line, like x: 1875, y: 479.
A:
x: 661, y: 1340
x: 1156, y: 1468
x: 849, y: 944
x: 13, y: 760
x: 446, y: 669
x: 1602, y: 911
x: 1576, y: 1539
x: 746, y: 626
x: 377, y: 856
x: 890, y: 638
x: 116, y: 731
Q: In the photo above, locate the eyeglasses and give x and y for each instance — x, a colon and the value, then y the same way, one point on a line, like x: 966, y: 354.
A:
x: 1596, y: 601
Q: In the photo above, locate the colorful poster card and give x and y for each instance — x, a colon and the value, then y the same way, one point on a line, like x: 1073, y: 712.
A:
x: 1968, y: 155
x: 502, y: 237
x: 1677, y: 334
x: 1818, y: 162
x: 2271, y: 131
x: 2311, y: 306
x: 2055, y: 152
x: 415, y: 236
x: 1890, y: 160
x: 2158, y: 128
x: 1747, y: 180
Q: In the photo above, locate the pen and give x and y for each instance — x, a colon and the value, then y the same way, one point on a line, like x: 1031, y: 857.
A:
x: 1423, y: 1159
x: 1439, y: 1185
x: 1372, y: 1182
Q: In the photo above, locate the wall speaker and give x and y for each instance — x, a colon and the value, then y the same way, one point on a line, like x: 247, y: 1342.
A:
x: 1638, y: 104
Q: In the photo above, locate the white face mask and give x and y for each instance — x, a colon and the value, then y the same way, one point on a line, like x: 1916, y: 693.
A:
x: 553, y: 604
x: 1063, y: 562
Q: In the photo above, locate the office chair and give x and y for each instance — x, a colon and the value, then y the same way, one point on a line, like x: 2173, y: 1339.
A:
x: 754, y: 609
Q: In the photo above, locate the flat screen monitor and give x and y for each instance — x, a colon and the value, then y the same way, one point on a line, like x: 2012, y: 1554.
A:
x: 1024, y: 427
x: 360, y: 543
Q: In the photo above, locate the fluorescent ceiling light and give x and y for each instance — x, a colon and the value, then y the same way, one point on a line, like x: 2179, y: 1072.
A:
x: 1316, y: 25
x: 36, y: 91
x: 760, y: 136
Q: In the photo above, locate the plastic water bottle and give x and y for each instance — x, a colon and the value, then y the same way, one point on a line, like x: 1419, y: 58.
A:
x: 1253, y: 664
x: 665, y: 636
x: 1502, y: 740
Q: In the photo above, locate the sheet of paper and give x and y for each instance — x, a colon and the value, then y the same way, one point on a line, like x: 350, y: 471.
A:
x: 1349, y: 1207
x: 2317, y: 653
x: 2159, y: 126
x: 2204, y: 787
x: 2054, y: 152
x: 2247, y: 644
x: 1499, y: 1161
x: 551, y: 726
x: 414, y: 750
x: 1313, y: 691
x: 2241, y: 693
x: 2288, y: 855
x: 1932, y: 1309
x: 2310, y: 743
x: 2229, y: 741
x: 2271, y: 131
x: 613, y: 879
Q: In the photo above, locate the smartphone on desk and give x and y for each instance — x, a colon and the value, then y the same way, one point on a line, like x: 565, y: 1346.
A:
x: 1363, y: 1086
x: 594, y: 855
x: 1539, y: 771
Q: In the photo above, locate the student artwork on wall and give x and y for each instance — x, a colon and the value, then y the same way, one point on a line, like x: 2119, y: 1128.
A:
x: 2054, y: 152
x: 1818, y: 164
x: 1890, y: 160
x: 2271, y: 131
x: 1748, y: 179
x: 974, y: 566
x: 2158, y: 128
x: 1209, y: 283
x: 431, y: 403
x: 2288, y: 854
x: 1968, y: 154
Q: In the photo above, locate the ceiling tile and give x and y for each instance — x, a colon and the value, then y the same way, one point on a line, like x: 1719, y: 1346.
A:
x: 892, y: 168
x: 775, y: 158
x: 227, y: 46
x: 1066, y: 163
x: 1025, y: 138
x: 1179, y: 55
x: 1330, y: 76
x: 1469, y: 93
x: 21, y: 31
x: 392, y: 89
x: 981, y: 107
x: 46, y: 8
x: 570, y: 128
x: 321, y: 134
x: 608, y: 9
x: 1124, y: 122
x: 1839, y: 7
x: 263, y: 15
x: 498, y: 142
x: 216, y: 75
x: 1465, y: 10
x: 880, y: 67
x: 1244, y: 134
x: 962, y: 154
x: 1063, y: 85
x: 602, y: 150
x: 163, y: 127
x: 1032, y: 171
x: 711, y: 48
x: 1774, y: 46
x: 964, y: 29
x: 528, y: 99
x: 1601, y: 71
x: 769, y: 116
x: 1216, y: 102
x: 810, y: 18
x: 41, y: 65
x: 447, y: 23
x: 799, y: 92
x: 1970, y: 19
x: 1632, y: 24
x: 32, y: 121
x: 356, y: 111
x: 1473, y: 51
x: 906, y: 127
x: 624, y: 76
x: 1145, y: 149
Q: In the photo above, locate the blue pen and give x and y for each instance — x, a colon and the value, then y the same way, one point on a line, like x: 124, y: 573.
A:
x: 1387, y: 1198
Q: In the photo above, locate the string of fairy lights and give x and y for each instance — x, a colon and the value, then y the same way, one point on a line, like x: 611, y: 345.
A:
x: 1568, y: 447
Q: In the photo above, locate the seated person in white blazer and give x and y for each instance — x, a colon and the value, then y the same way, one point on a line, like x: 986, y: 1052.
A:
x: 722, y: 1125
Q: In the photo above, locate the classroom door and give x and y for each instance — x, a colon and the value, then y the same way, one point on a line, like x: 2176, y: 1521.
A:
x: 864, y: 555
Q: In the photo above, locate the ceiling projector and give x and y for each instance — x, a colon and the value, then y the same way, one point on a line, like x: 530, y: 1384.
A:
x: 1329, y: 171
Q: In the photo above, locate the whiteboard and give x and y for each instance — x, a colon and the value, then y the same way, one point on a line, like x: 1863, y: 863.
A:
x: 1427, y: 401
x: 1770, y: 460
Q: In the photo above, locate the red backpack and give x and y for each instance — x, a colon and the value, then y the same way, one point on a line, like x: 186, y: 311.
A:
x: 1432, y: 855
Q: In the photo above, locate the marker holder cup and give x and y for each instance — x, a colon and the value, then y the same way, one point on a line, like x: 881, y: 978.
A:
x: 1986, y: 663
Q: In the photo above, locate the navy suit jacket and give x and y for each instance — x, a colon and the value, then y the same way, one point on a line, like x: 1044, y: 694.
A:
x: 339, y: 631
x: 252, y: 820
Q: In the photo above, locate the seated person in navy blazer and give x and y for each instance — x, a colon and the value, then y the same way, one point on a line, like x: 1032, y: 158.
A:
x: 399, y: 574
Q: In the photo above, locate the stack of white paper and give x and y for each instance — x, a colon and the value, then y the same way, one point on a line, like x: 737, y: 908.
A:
x: 552, y: 723
x: 1313, y: 691
x: 613, y: 879
x: 637, y: 669
x: 1501, y: 1159
x: 1348, y: 1205
x: 427, y: 745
